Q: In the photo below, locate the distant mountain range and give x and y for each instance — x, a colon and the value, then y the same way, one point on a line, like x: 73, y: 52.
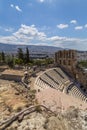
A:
x: 10, y: 48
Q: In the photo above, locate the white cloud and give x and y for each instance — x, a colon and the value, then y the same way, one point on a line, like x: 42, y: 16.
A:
x: 9, y: 29
x: 78, y: 27
x: 73, y: 21
x: 30, y: 35
x: 72, y: 43
x: 12, y: 5
x: 56, y: 38
x: 41, y: 1
x: 47, y: 1
x: 16, y: 7
x: 62, y: 26
x: 85, y: 26
x: 8, y: 39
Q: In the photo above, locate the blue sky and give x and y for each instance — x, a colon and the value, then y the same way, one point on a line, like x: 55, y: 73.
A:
x: 61, y: 23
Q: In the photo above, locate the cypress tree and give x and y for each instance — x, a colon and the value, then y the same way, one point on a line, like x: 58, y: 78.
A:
x: 20, y: 54
x: 27, y: 58
x: 3, y: 56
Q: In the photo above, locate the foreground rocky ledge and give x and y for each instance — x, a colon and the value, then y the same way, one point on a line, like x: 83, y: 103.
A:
x: 43, y: 119
x: 20, y: 110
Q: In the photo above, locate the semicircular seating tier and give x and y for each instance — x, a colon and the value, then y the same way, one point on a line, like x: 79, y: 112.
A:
x: 57, y: 79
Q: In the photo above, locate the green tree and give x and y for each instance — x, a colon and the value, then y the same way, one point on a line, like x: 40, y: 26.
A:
x: 82, y: 64
x: 10, y: 61
x: 0, y: 57
x: 18, y: 61
x: 3, y: 56
x: 20, y: 54
x: 49, y: 61
x: 27, y: 58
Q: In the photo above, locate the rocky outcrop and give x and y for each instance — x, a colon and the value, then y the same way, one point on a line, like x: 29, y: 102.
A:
x: 72, y: 119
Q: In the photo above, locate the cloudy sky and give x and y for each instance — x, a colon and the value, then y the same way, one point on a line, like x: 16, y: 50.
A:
x: 61, y: 23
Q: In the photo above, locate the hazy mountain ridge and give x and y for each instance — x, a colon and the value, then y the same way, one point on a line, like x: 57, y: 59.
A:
x: 10, y: 48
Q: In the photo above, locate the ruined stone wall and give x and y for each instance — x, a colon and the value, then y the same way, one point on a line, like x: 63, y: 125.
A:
x: 81, y: 76
x: 16, y: 78
x: 68, y: 60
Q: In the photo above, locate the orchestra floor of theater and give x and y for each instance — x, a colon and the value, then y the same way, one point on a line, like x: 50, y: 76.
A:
x: 56, y: 90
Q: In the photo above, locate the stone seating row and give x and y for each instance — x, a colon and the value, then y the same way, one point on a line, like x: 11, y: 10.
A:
x: 57, y: 79
x: 76, y: 92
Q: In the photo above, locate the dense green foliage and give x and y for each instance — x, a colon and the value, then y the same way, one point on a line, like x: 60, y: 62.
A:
x: 2, y: 57
x: 23, y: 58
x: 82, y: 64
x: 10, y: 60
x: 26, y: 57
x: 20, y: 54
x: 42, y: 62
